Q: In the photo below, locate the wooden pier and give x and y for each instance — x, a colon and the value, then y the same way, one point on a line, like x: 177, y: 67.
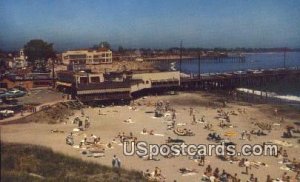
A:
x: 202, y: 59
x: 233, y: 80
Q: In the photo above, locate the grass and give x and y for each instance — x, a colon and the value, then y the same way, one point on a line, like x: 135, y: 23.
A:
x: 22, y: 162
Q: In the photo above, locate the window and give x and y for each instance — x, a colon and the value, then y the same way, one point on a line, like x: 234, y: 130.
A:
x: 83, y: 80
x: 95, y: 79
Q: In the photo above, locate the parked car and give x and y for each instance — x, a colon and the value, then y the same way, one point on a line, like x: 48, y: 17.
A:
x: 15, y: 93
x: 7, y: 113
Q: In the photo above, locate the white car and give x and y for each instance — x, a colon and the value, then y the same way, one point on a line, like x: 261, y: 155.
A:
x: 7, y: 113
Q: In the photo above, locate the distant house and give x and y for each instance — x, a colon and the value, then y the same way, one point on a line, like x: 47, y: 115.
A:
x: 87, y: 56
x: 18, y: 61
x: 27, y: 81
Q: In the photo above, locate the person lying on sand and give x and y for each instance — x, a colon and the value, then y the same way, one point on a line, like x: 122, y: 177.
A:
x: 147, y: 157
x: 56, y: 131
x: 129, y: 120
x: 171, y: 140
x: 185, y: 170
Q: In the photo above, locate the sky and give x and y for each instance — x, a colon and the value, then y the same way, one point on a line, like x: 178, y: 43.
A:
x: 70, y: 24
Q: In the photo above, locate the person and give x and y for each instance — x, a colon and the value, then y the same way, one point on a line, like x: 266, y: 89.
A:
x: 275, y: 111
x: 114, y: 161
x: 216, y: 172
x: 191, y: 111
x: 269, y: 178
x: 284, y: 177
x: 224, y: 176
x: 144, y: 130
x: 79, y: 124
x: 285, y: 156
x: 202, y: 160
x: 208, y: 169
x: 118, y: 163
x: 157, y: 172
x: 86, y: 123
x: 202, y: 119
x: 243, y: 134
x: 251, y: 178
x: 147, y: 173
x: 151, y: 132
x: 194, y: 119
x: 235, y: 178
x: 205, y: 177
x: 247, y: 165
x: 70, y: 139
x: 173, y: 115
x: 297, y: 177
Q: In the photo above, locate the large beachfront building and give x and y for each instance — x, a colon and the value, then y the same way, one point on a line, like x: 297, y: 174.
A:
x: 87, y: 56
x: 122, y: 86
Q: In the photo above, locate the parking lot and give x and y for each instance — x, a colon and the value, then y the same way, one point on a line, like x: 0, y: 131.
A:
x: 40, y: 96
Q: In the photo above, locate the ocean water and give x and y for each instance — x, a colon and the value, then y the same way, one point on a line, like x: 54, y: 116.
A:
x: 253, y: 61
x: 287, y: 88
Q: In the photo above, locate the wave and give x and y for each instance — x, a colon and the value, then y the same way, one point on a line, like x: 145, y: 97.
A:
x: 270, y: 94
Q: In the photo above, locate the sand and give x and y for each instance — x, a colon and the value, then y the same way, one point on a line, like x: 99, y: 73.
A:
x: 110, y: 123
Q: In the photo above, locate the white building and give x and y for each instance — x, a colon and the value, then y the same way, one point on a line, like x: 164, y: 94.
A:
x: 85, y: 56
x: 19, y: 61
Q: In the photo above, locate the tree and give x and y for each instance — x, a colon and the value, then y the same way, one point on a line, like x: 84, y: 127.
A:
x: 38, y: 51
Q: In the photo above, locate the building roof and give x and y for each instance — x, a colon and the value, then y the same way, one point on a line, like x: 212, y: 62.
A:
x: 103, y: 85
x: 101, y: 49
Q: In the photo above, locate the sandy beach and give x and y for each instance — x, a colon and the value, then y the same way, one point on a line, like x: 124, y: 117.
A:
x: 110, y: 123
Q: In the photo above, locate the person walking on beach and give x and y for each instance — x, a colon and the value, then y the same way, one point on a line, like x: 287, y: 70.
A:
x: 243, y: 134
x: 118, y: 163
x: 173, y: 115
x: 202, y: 160
x: 114, y: 161
x: 194, y: 119
x: 247, y: 165
x: 191, y: 111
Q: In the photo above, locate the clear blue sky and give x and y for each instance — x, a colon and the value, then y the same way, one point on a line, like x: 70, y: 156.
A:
x: 151, y: 23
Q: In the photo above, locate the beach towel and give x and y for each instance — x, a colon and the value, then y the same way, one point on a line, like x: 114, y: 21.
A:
x: 189, y: 174
x: 158, y: 134
x: 76, y: 129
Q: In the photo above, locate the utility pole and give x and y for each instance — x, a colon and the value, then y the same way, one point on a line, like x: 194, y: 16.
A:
x: 180, y: 56
x: 53, y: 74
x: 199, y: 63
x: 284, y: 58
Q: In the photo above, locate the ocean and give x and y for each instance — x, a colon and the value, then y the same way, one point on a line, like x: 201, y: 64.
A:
x: 287, y: 88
